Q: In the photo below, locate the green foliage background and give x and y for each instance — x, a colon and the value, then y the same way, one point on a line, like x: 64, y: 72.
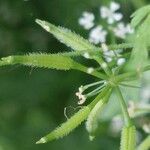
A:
x: 32, y: 100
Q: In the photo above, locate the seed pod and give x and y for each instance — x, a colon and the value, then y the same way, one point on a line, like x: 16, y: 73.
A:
x: 128, y: 138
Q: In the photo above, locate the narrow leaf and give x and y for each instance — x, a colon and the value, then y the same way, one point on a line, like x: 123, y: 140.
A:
x: 139, y: 55
x: 52, y: 61
x: 92, y: 122
x: 145, y: 145
x: 74, y: 121
x: 67, y: 37
x: 139, y: 16
x: 128, y: 138
x: 66, y: 127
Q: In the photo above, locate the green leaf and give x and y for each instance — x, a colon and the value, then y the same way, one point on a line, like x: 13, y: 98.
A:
x: 92, y: 122
x: 128, y: 138
x: 139, y: 16
x: 50, y: 61
x: 145, y: 145
x: 139, y: 55
x: 67, y: 37
x: 66, y: 127
x: 74, y: 121
x: 53, y: 61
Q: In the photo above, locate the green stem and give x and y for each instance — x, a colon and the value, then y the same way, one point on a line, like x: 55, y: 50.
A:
x: 140, y: 111
x: 98, y: 50
x: 93, y: 84
x: 95, y: 92
x: 127, y: 119
x: 100, y: 96
x: 133, y: 74
x: 94, y: 72
x: 103, y: 64
x: 131, y: 86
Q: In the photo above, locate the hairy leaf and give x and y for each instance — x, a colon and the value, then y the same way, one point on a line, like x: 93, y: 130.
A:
x: 139, y: 55
x: 67, y: 37
x: 139, y: 16
x: 92, y: 122
x: 67, y: 127
x: 128, y: 138
x: 74, y: 121
x: 52, y: 61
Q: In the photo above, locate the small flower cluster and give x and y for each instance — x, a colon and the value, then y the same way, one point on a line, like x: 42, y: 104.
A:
x: 110, y: 55
x: 82, y: 97
x: 113, y: 18
x: 98, y: 34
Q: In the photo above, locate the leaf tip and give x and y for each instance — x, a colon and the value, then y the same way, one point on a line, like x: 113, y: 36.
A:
x: 43, y: 24
x: 91, y: 138
x: 41, y: 141
x: 38, y: 21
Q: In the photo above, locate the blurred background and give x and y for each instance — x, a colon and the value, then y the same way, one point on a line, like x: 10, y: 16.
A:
x: 32, y: 101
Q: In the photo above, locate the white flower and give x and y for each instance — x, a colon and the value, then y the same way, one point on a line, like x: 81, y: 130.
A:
x: 87, y: 20
x: 81, y: 89
x: 90, y: 70
x: 86, y: 55
x: 146, y: 128
x: 104, y: 47
x: 108, y: 55
x: 131, y: 108
x: 108, y: 59
x: 145, y: 93
x: 104, y: 65
x: 97, y: 35
x: 110, y: 13
x: 82, y: 98
x: 121, y: 61
x: 122, y: 30
x: 116, y: 124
